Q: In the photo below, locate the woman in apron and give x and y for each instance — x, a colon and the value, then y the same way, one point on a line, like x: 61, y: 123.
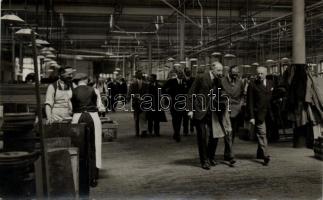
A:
x: 57, y: 104
x: 85, y: 110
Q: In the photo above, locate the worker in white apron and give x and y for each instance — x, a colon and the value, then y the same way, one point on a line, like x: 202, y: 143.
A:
x: 85, y: 110
x: 57, y: 104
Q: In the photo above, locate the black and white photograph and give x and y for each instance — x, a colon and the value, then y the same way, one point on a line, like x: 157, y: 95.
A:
x: 161, y: 99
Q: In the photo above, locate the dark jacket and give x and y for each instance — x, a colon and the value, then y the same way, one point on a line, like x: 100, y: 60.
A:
x: 135, y: 93
x: 84, y: 99
x: 258, y: 100
x: 201, y: 88
x: 155, y: 114
x: 173, y: 88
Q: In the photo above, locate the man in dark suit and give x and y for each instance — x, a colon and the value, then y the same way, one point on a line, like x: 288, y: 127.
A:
x: 258, y: 102
x: 176, y: 88
x: 204, y: 114
x: 154, y: 115
x: 187, y: 122
x: 136, y: 91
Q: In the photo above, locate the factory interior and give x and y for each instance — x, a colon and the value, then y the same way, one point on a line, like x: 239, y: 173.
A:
x: 72, y: 127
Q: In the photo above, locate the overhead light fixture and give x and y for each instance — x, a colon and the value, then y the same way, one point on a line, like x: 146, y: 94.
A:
x: 246, y: 66
x: 170, y: 59
x: 12, y: 18
x: 195, y: 65
x: 177, y: 64
x: 116, y: 72
x: 42, y: 42
x: 50, y: 49
x: 182, y: 62
x: 117, y: 69
x: 270, y: 61
x: 24, y: 32
x: 255, y: 64
x: 216, y: 53
x: 50, y: 56
x: 47, y: 59
x: 193, y: 59
x: 229, y: 55
x: 46, y: 52
x: 285, y: 59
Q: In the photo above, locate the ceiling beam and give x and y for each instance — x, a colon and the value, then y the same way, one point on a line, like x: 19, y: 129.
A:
x: 139, y: 11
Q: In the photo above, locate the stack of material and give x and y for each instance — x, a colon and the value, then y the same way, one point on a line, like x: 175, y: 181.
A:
x: 19, y: 108
x: 17, y: 132
x: 16, y: 174
x: 318, y: 148
x: 109, y: 129
x: 18, y: 122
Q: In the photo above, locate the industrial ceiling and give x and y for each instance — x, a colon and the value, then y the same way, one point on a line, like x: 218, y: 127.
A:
x: 249, y: 28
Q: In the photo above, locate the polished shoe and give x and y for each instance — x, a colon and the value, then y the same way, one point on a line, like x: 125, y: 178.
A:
x: 232, y: 161
x: 266, y: 160
x: 206, y: 166
x: 213, y: 162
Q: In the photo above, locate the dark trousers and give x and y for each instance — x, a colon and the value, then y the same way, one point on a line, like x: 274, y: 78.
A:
x: 177, y: 117
x: 187, y: 122
x: 262, y: 150
x: 140, y: 122
x: 206, y: 143
x: 235, y: 126
x: 88, y: 169
x: 153, y: 124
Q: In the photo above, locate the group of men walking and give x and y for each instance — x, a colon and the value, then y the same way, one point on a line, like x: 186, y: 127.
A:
x: 192, y: 102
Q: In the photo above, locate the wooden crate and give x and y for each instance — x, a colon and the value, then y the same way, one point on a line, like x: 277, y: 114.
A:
x: 109, y: 131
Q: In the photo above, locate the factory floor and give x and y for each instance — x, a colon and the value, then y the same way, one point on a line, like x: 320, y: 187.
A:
x: 160, y: 168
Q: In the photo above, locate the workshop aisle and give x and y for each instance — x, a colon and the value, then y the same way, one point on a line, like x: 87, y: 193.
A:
x: 159, y: 168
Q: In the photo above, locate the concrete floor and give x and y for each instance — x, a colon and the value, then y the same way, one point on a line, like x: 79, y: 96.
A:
x: 159, y: 168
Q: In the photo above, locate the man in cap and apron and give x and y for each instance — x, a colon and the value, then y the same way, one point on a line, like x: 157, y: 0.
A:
x: 57, y: 104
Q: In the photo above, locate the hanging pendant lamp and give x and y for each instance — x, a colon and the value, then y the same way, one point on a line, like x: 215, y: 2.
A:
x: 12, y: 18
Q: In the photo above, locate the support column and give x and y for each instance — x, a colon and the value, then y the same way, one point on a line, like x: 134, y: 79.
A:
x: 13, y: 57
x: 123, y: 67
x: 299, y: 56
x: 150, y: 65
x: 182, y: 39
